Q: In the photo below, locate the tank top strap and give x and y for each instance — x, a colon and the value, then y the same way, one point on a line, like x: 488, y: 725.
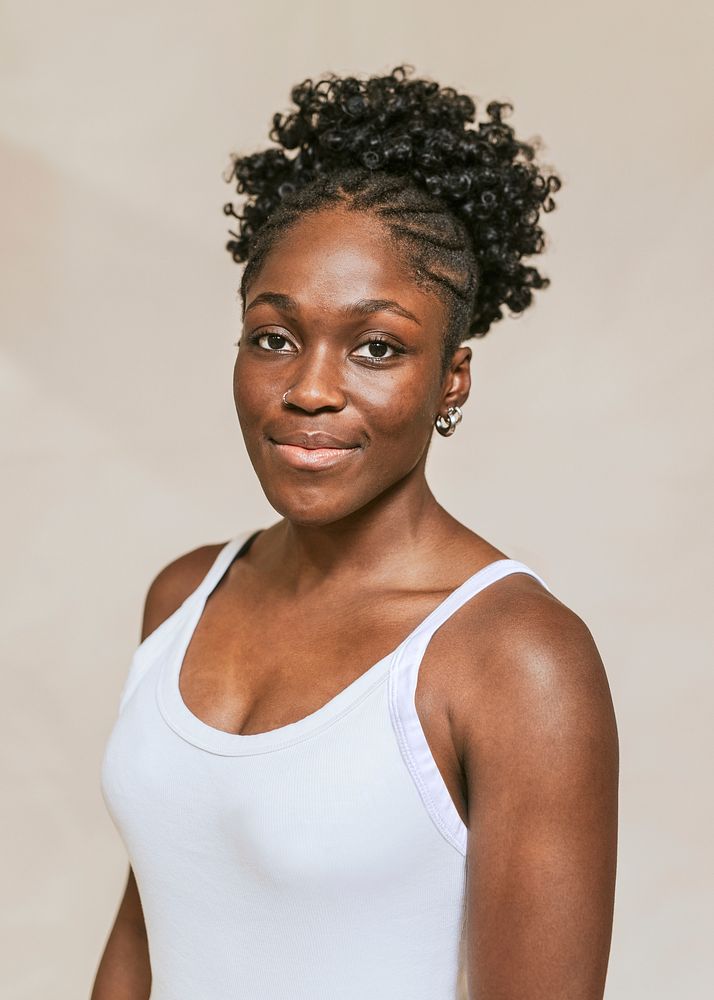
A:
x: 403, y: 677
x: 419, y: 639
x: 220, y: 564
x: 156, y: 642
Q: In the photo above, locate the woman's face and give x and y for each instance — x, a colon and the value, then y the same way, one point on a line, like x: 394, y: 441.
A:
x: 329, y: 288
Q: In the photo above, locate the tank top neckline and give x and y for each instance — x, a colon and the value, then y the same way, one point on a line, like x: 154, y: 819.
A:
x: 206, y: 737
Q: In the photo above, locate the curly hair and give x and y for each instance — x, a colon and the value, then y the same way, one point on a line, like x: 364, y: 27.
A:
x: 461, y: 203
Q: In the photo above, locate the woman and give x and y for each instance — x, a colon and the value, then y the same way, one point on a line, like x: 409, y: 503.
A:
x: 362, y: 752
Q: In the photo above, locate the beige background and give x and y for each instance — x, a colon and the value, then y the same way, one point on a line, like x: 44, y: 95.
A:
x: 585, y: 448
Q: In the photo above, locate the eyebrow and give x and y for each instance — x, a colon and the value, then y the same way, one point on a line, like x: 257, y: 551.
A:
x: 362, y: 307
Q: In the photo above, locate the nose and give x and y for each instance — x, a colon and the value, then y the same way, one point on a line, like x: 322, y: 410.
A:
x: 317, y: 381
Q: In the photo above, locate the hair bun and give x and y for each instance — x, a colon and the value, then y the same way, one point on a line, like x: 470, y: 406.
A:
x: 414, y: 128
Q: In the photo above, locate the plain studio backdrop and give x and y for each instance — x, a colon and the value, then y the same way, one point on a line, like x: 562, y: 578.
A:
x: 584, y: 450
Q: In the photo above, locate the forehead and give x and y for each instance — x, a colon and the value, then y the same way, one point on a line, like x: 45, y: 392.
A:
x: 332, y: 257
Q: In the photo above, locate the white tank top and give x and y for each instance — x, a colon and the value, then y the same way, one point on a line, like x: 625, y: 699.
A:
x: 323, y: 860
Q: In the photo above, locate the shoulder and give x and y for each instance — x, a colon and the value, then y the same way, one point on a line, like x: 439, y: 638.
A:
x: 533, y: 695
x: 540, y: 761
x: 173, y: 584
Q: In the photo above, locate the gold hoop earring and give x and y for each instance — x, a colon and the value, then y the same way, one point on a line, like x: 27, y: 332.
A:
x: 447, y: 425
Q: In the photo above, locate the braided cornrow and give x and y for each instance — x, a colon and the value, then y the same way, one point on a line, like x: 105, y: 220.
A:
x: 462, y: 204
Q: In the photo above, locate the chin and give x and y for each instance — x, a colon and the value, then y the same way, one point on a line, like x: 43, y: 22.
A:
x: 312, y: 506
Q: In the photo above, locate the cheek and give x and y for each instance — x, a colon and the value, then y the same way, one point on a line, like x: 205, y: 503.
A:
x: 397, y: 417
x: 255, y: 394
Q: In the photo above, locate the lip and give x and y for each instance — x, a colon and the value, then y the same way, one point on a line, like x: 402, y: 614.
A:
x: 313, y: 458
x: 312, y: 439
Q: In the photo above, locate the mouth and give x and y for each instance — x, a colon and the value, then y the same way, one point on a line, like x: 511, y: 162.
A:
x: 312, y: 458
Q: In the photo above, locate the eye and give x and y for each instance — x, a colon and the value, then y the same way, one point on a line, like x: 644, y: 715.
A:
x: 275, y: 344
x: 382, y: 344
x: 274, y: 338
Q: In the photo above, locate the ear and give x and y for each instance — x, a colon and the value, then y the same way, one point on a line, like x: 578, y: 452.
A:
x: 457, y: 381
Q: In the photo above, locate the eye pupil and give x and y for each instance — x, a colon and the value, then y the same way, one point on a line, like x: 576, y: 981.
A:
x: 380, y: 345
x: 273, y: 337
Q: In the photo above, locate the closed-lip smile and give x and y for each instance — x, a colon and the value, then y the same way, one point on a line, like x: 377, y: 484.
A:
x: 313, y: 439
x: 313, y: 450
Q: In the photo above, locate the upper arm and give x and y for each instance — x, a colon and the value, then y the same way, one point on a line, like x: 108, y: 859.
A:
x: 130, y: 908
x: 173, y: 584
x: 541, y: 757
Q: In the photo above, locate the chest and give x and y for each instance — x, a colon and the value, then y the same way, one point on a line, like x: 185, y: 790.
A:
x: 246, y: 853
x: 253, y: 665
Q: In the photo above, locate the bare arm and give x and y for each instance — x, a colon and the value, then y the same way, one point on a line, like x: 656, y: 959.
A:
x: 542, y: 759
x: 124, y: 971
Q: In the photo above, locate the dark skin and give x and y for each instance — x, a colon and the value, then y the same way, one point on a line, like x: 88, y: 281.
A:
x: 512, y: 693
